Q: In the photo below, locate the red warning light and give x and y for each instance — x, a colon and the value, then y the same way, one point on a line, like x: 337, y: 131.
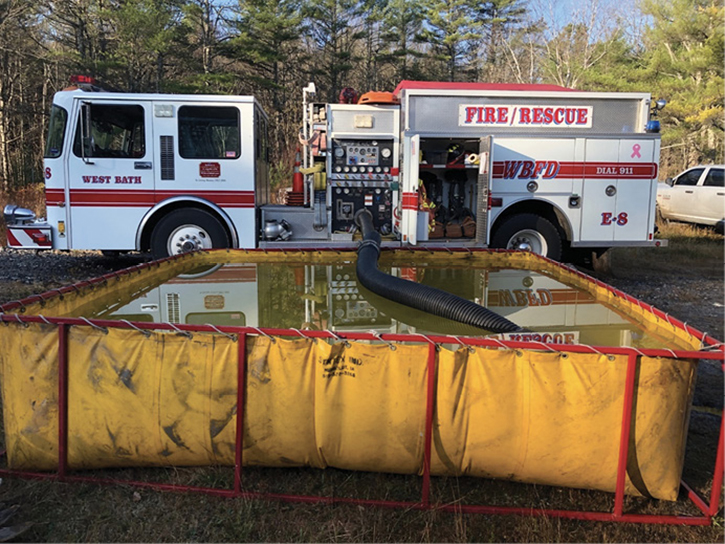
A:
x: 78, y: 79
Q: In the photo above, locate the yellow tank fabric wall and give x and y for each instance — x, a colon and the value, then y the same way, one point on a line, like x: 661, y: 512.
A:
x: 29, y: 380
x: 168, y: 399
x: 544, y: 417
x: 162, y: 400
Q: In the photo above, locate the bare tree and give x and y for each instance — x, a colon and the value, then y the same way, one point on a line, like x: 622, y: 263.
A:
x: 576, y: 40
x: 14, y: 17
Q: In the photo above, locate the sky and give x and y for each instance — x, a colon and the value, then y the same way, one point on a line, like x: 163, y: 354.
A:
x: 601, y: 16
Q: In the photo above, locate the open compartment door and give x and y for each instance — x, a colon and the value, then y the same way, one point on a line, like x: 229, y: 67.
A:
x: 411, y: 152
x: 485, y: 170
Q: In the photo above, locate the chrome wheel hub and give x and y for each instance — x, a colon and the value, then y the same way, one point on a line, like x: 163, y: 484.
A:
x: 528, y: 240
x: 188, y: 238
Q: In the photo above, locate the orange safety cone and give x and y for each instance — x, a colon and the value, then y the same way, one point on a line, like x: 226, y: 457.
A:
x: 299, y: 272
x: 297, y: 179
x: 296, y: 197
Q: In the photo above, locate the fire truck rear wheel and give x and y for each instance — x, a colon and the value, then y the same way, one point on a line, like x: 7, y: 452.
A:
x: 529, y: 232
x: 185, y: 230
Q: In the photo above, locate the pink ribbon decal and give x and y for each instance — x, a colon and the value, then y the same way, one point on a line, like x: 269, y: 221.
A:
x: 635, y: 151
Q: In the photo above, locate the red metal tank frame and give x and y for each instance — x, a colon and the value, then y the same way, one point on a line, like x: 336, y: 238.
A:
x: 713, y: 351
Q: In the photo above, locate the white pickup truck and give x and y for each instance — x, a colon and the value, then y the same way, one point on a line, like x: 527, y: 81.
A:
x: 695, y: 196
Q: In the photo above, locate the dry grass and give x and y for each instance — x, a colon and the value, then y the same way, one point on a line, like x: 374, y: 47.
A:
x: 692, y: 251
x: 84, y: 512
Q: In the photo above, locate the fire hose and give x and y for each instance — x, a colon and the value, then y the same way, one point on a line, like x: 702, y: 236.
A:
x: 416, y: 295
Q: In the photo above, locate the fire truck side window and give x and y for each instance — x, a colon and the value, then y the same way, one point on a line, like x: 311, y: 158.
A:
x: 117, y: 131
x: 56, y: 132
x: 209, y: 132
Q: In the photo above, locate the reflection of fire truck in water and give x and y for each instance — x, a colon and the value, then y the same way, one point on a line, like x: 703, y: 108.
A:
x: 220, y: 295
x: 329, y: 297
x: 532, y: 167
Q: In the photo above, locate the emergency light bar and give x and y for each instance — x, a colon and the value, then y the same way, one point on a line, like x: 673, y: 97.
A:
x: 79, y: 79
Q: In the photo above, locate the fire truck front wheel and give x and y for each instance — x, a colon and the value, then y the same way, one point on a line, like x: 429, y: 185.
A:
x: 529, y: 232
x: 187, y: 230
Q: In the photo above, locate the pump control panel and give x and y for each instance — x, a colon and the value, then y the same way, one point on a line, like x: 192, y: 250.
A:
x: 347, y: 201
x: 362, y: 160
x: 362, y: 156
x: 348, y: 307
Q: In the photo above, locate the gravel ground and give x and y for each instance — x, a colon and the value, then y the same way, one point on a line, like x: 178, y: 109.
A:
x: 54, y: 268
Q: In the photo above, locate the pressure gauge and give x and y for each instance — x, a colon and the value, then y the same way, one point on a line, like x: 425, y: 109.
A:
x: 339, y: 152
x: 385, y: 152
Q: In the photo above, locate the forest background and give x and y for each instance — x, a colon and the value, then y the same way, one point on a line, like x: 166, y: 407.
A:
x: 673, y: 49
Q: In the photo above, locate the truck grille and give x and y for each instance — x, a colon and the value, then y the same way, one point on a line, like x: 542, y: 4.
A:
x: 167, y: 157
x: 173, y: 307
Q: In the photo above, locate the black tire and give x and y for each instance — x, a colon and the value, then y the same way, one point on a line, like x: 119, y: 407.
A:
x: 187, y: 229
x: 659, y: 218
x: 529, y: 232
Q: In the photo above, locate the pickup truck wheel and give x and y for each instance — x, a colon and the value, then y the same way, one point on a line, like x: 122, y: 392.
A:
x: 185, y: 230
x: 659, y: 218
x: 529, y: 232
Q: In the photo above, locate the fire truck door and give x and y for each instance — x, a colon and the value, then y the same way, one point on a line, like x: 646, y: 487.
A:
x: 635, y: 193
x: 485, y: 169
x: 617, y: 195
x: 411, y: 152
x: 110, y: 173
x: 599, y: 192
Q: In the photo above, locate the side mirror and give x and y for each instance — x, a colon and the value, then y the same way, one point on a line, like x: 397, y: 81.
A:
x: 86, y: 139
x: 670, y: 181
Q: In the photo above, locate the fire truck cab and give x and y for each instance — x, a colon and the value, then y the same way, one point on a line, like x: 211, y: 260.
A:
x: 166, y: 173
x: 530, y: 167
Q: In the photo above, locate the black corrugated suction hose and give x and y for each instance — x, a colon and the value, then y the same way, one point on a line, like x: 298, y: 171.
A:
x: 416, y: 295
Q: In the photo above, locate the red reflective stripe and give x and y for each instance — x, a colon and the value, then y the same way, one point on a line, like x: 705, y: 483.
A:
x: 586, y: 170
x: 54, y: 196
x: 226, y: 274
x: 410, y: 201
x: 498, y: 297
x: 12, y: 241
x: 112, y: 198
x: 29, y: 238
x: 123, y: 198
x: 632, y: 170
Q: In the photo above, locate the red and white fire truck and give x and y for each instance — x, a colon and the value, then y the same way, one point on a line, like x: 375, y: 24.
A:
x: 533, y: 167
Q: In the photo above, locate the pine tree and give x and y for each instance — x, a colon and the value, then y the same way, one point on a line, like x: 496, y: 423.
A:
x: 266, y: 41
x: 143, y: 33
x: 372, y: 13
x: 402, y: 22
x: 451, y: 30
x: 684, y: 64
x: 203, y: 29
x: 499, y: 19
x: 81, y: 29
x: 333, y: 27
x: 267, y: 38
